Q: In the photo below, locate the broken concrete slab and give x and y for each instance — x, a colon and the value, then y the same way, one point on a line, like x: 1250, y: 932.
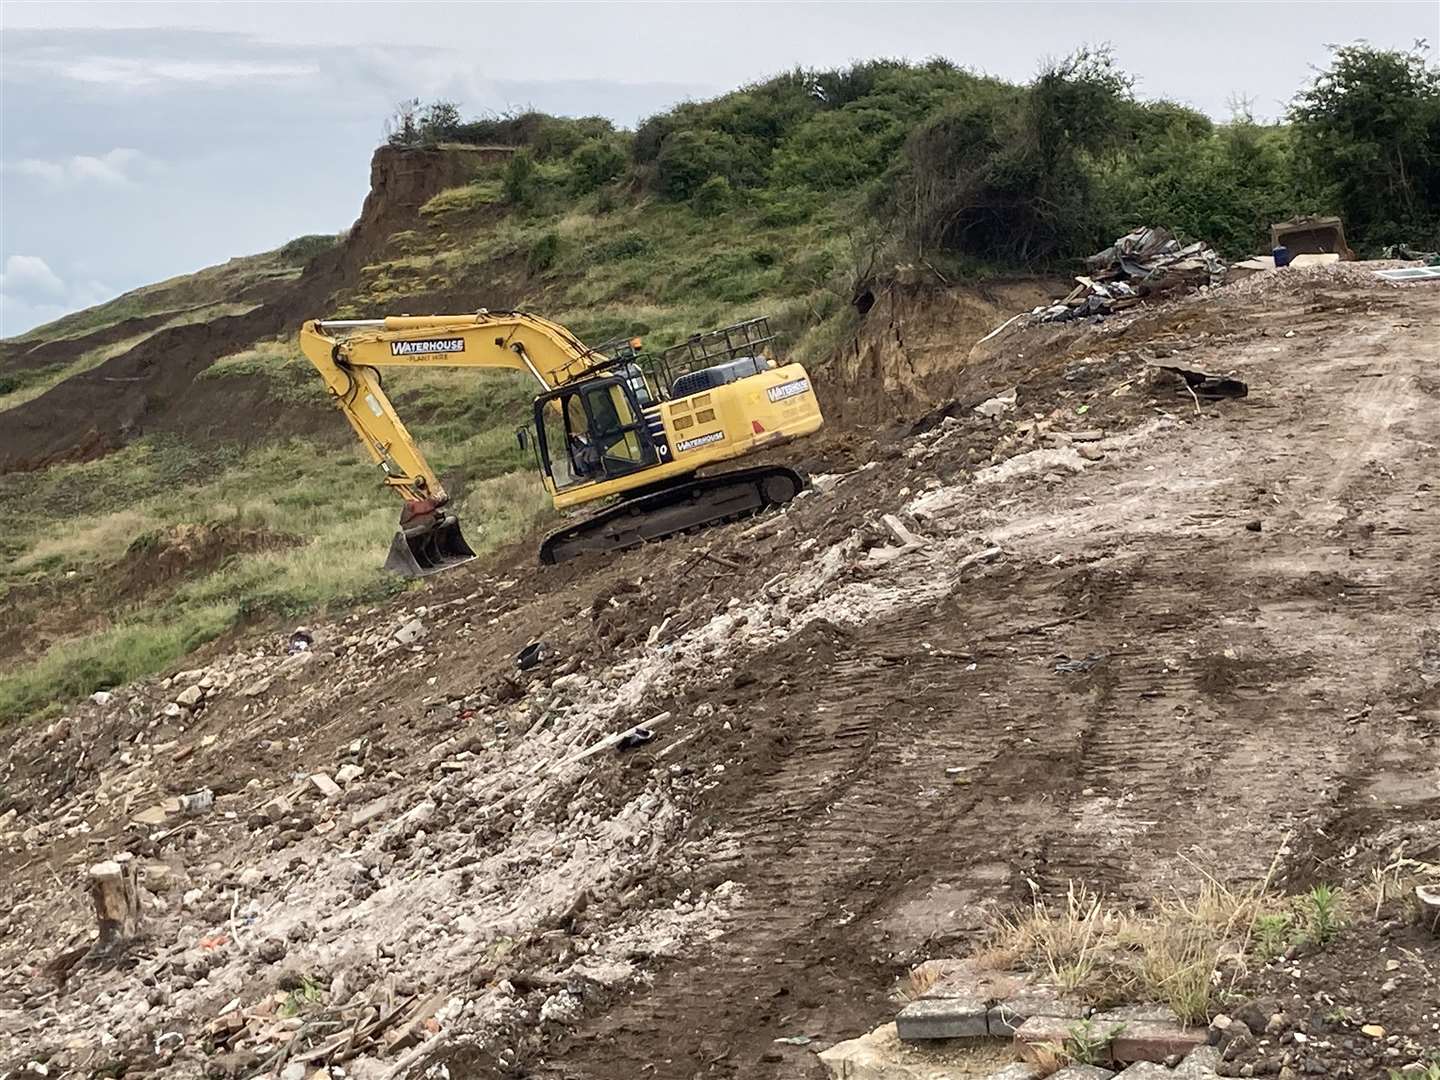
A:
x: 943, y: 1018
x: 882, y: 1055
x: 276, y: 808
x: 1046, y: 1031
x: 325, y: 785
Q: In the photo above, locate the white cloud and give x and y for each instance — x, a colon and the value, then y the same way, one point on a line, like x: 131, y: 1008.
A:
x: 31, y: 294
x: 30, y: 275
x: 137, y: 72
x: 114, y: 167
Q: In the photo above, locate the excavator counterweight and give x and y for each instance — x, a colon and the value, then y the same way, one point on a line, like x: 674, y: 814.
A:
x: 610, y: 425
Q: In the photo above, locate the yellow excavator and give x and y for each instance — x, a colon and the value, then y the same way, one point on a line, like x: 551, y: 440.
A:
x: 608, y: 421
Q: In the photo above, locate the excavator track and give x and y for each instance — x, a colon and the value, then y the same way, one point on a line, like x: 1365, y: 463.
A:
x: 696, y: 502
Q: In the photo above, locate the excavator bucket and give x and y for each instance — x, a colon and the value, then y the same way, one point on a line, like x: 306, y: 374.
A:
x: 428, y: 549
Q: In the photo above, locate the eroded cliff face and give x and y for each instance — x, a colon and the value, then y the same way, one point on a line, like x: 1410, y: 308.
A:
x: 914, y: 342
x: 403, y: 180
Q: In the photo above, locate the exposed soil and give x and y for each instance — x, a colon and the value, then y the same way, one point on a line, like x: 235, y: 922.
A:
x: 1208, y: 637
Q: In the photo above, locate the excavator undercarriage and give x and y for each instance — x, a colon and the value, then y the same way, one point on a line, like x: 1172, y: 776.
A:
x: 675, y: 509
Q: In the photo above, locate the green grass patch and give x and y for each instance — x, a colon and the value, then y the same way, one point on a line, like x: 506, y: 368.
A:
x: 110, y: 658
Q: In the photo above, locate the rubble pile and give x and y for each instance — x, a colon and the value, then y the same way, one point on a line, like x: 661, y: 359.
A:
x: 1140, y: 264
x: 354, y: 907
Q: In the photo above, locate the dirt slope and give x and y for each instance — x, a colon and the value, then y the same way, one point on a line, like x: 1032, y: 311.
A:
x: 1247, y: 586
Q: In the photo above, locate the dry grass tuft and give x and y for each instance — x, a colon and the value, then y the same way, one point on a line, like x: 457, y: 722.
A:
x: 1175, y: 954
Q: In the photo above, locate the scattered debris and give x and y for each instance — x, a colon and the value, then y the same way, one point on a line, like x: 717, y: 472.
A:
x: 1064, y: 665
x: 1203, y: 384
x: 530, y: 656
x: 1410, y: 273
x: 998, y: 405
x: 1140, y: 264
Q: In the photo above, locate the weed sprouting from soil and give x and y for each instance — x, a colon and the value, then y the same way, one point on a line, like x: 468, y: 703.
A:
x: 1324, y: 914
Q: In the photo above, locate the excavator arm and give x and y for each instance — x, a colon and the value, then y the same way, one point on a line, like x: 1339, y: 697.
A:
x: 349, y: 354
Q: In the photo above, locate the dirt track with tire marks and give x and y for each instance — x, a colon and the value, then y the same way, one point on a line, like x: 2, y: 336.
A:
x: 1251, y: 686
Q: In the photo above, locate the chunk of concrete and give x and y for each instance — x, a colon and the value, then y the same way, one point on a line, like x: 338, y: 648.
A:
x: 1047, y: 1031
x: 1145, y: 1070
x: 943, y: 1018
x: 190, y: 697
x: 1082, y: 1072
x: 411, y: 632
x: 1200, y: 1064
x: 881, y: 1055
x: 325, y: 785
x: 276, y: 808
x: 348, y: 772
x: 1020, y: 1070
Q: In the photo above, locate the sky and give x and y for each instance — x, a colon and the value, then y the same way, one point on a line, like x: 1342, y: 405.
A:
x: 140, y: 141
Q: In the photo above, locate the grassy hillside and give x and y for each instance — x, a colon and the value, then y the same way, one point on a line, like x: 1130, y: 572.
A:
x: 243, y: 498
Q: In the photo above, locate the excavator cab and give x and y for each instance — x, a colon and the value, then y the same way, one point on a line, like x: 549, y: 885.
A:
x: 593, y: 431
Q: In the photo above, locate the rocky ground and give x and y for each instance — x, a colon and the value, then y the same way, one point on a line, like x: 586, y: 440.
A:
x: 1110, y: 633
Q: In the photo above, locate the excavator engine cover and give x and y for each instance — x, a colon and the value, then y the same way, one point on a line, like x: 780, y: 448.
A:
x: 422, y: 550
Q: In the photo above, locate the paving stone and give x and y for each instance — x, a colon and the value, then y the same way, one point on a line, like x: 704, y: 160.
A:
x: 1082, y: 1072
x: 1148, y: 1040
x: 943, y: 1018
x: 1128, y: 1014
x: 1008, y: 1015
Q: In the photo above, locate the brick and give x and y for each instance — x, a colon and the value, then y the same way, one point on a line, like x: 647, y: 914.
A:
x: 943, y: 1018
x: 1149, y: 1040
x: 1082, y: 1072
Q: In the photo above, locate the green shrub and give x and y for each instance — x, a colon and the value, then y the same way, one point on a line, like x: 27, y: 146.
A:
x: 689, y: 158
x: 543, y: 253
x: 520, y: 183
x: 304, y: 248
x: 597, y: 162
x: 713, y: 197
